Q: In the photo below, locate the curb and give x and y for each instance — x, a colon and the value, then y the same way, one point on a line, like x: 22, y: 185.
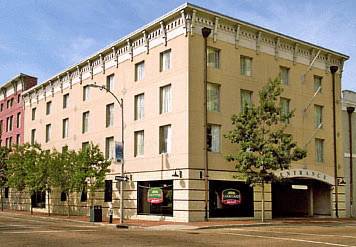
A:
x: 234, y: 226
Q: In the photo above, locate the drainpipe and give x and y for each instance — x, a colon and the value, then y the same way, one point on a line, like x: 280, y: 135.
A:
x: 206, y: 32
x: 350, y: 110
x: 333, y: 70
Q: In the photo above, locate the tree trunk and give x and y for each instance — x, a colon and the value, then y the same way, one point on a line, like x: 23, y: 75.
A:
x: 2, y: 200
x: 48, y: 205
x: 263, y: 202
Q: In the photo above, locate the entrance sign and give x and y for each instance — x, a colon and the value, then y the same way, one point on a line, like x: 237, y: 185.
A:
x: 155, y: 195
x: 306, y: 173
x: 231, y: 197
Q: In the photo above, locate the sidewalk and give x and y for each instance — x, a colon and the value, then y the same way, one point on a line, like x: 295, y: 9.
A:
x: 174, y: 226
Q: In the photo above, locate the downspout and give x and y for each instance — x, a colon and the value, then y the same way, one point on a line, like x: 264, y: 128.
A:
x: 350, y: 110
x: 333, y: 70
x: 206, y: 32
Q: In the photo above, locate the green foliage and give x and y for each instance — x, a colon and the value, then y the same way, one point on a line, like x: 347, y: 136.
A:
x: 259, y: 131
x: 4, y: 152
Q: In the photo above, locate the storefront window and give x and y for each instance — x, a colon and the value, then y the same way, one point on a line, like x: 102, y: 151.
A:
x: 230, y: 199
x: 38, y: 199
x: 155, y: 197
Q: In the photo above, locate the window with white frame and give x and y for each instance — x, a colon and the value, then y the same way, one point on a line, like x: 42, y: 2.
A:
x: 285, y: 109
x: 65, y: 100
x: 85, y: 122
x: 165, y: 60
x: 213, y: 57
x: 110, y: 82
x: 48, y: 107
x: 65, y: 128
x: 284, y: 71
x: 165, y: 99
x: 139, y: 143
x: 33, y: 113
x: 109, y: 115
x: 18, y: 120
x: 319, y: 150
x: 317, y: 83
x: 213, y: 138
x: 48, y: 132
x: 109, y: 148
x: 33, y: 136
x: 86, y: 90
x: 139, y: 71
x: 245, y: 99
x: 18, y: 139
x: 318, y: 111
x: 213, y: 97
x: 245, y: 66
x: 165, y: 138
x: 139, y: 106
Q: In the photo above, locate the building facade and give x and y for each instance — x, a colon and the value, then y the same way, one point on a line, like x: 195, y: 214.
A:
x: 174, y: 145
x: 349, y: 133
x: 12, y: 109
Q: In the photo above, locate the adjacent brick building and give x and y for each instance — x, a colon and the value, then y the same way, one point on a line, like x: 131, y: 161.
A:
x: 12, y: 109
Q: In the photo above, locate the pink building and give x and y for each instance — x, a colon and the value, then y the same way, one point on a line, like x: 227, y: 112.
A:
x: 12, y: 110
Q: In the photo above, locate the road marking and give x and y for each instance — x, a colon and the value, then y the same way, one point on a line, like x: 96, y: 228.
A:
x: 288, y: 239
x: 44, y: 222
x: 296, y: 233
x: 45, y: 231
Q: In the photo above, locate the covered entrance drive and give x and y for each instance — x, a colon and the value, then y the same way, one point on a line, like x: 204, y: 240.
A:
x: 302, y: 196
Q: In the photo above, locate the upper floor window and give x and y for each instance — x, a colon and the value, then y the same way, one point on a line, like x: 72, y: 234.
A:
x: 213, y: 57
x: 139, y: 106
x: 1, y: 107
x: 319, y: 150
x: 86, y: 92
x: 33, y: 113
x: 318, y: 116
x: 165, y: 139
x: 245, y: 66
x: 18, y: 139
x: 139, y: 143
x: 9, y: 103
x: 285, y: 109
x: 284, y: 71
x: 165, y: 99
x: 85, y: 122
x: 65, y: 100
x: 213, y: 138
x: 48, y: 107
x: 109, y: 115
x: 33, y: 136
x: 110, y: 82
x: 139, y: 71
x: 213, y: 97
x: 317, y: 83
x: 18, y: 98
x: 9, y: 123
x: 109, y: 148
x: 18, y: 120
x: 65, y: 128
x: 165, y: 60
x: 48, y: 132
x: 245, y: 99
x: 1, y: 122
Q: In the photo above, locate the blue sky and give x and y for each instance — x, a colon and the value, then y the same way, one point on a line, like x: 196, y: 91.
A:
x: 43, y: 37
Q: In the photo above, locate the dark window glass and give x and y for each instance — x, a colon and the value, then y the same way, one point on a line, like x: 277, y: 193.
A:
x: 108, y: 191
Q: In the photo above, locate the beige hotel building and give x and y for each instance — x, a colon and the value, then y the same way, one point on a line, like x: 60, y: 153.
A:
x: 159, y: 72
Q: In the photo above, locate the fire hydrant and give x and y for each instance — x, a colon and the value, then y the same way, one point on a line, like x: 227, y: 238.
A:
x: 111, y: 212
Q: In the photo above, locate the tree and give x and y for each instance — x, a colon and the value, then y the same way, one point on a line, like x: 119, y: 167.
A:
x: 263, y: 144
x: 4, y: 152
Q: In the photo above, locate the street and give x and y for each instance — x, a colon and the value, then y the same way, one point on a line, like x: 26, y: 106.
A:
x: 25, y: 230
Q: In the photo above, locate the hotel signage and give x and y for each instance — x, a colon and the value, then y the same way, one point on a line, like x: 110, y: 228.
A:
x: 231, y: 197
x: 305, y: 173
x: 155, y: 195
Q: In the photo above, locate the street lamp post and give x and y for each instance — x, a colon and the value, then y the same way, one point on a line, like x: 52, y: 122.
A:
x: 121, y: 104
x: 350, y: 110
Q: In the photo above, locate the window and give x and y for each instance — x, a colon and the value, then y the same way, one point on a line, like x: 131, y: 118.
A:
x: 33, y: 136
x: 6, y: 192
x: 65, y: 128
x: 109, y: 148
x: 213, y: 97
x: 165, y: 139
x: 318, y: 116
x: 1, y: 107
x: 139, y: 143
x: 65, y: 149
x: 9, y: 142
x: 85, y: 93
x: 139, y: 106
x: 85, y: 145
x: 18, y: 98
x: 139, y: 71
x: 108, y: 191
x: 1, y: 122
x: 84, y: 194
x: 284, y: 75
x: 18, y: 140
x: 213, y: 57
x: 165, y: 99
x: 9, y: 123
x: 110, y: 82
x: 245, y: 99
x: 48, y: 132
x: 65, y: 100
x: 9, y: 103
x: 18, y: 120
x: 245, y: 66
x: 109, y: 115
x: 85, y: 122
x: 213, y: 138
x: 319, y: 150
x: 48, y: 107
x: 63, y: 196
x: 165, y: 60
x: 317, y: 83
x: 285, y: 109
x: 33, y: 113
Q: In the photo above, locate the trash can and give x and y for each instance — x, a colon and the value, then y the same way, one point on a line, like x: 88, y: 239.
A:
x: 96, y: 213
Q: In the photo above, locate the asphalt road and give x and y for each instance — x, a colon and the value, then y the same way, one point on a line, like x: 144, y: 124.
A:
x: 16, y: 230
